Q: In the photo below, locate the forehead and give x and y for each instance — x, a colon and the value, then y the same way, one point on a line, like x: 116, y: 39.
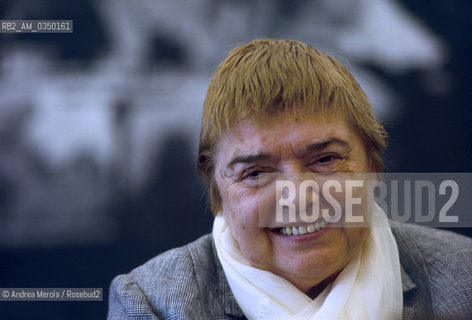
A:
x: 274, y: 132
x: 285, y: 122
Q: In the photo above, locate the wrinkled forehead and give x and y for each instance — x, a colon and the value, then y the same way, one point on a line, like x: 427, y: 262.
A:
x: 299, y: 112
x: 277, y: 122
x: 296, y: 131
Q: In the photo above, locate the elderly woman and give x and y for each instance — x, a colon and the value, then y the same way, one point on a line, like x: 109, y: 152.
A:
x: 282, y: 108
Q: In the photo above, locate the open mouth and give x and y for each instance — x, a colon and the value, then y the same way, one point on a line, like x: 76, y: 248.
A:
x: 296, y: 230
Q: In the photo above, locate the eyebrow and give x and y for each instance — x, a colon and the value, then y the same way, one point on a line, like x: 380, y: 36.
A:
x: 321, y: 145
x: 250, y: 158
x: 310, y: 148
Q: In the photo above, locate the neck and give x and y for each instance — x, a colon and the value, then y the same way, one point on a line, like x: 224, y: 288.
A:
x: 316, y: 290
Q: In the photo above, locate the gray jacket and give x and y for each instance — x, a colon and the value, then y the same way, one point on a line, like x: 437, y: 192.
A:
x: 189, y: 282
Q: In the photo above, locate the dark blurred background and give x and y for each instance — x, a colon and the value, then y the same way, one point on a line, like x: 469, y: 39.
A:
x: 99, y: 128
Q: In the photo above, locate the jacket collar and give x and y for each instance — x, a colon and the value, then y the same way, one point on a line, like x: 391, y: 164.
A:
x: 415, y: 275
x: 226, y: 297
x: 407, y: 282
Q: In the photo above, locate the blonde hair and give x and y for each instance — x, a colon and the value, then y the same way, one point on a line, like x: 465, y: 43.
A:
x: 269, y: 76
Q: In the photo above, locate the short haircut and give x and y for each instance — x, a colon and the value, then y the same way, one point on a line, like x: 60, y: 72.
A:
x: 268, y: 76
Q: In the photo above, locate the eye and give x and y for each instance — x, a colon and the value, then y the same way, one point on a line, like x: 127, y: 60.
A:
x: 251, y: 174
x: 256, y: 177
x: 326, y: 163
x: 326, y: 159
x: 254, y: 173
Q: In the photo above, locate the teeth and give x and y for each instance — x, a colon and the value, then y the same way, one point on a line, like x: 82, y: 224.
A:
x: 303, y: 229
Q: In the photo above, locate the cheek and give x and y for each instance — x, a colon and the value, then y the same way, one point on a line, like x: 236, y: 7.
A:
x: 241, y: 207
x: 241, y: 210
x: 238, y: 200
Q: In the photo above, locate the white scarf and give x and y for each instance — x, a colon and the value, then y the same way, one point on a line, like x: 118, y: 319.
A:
x: 369, y: 287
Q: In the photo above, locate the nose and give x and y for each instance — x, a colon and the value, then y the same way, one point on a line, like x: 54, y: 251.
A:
x: 299, y: 195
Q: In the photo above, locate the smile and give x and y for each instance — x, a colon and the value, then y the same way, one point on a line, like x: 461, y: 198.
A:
x: 296, y: 230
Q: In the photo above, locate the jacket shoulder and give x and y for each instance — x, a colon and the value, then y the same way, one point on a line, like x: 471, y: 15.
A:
x: 445, y: 260
x: 431, y: 240
x: 165, y: 286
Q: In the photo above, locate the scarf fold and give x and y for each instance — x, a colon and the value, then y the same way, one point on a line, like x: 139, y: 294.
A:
x: 369, y: 287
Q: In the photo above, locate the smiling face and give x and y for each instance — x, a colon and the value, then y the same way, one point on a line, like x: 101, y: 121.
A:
x: 290, y: 146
